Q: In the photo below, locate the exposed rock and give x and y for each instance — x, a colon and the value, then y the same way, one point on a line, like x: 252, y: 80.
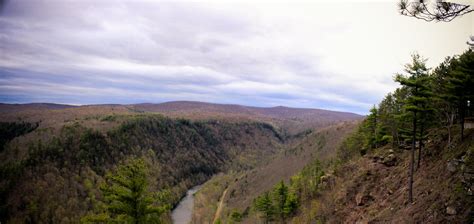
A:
x: 377, y: 159
x: 451, y: 210
x: 363, y: 198
x: 327, y: 181
x: 390, y: 160
x: 452, y: 166
x: 387, y: 160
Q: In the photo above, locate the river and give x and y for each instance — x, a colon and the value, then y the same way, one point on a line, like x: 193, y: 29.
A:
x: 183, y: 212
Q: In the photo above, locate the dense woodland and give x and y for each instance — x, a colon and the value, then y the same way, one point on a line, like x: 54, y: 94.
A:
x: 59, y: 180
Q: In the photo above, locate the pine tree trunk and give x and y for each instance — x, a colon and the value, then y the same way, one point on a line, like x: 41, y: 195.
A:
x: 462, y: 126
x: 450, y: 124
x: 449, y: 135
x: 412, y: 160
x: 420, y: 147
x: 463, y: 107
x: 375, y: 130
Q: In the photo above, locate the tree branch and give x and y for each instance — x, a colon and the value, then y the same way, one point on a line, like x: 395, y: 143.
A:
x: 439, y: 11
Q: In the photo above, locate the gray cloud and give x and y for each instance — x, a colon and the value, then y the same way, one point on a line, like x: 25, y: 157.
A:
x: 258, y: 54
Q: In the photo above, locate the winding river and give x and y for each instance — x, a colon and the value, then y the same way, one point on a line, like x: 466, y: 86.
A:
x: 182, y: 214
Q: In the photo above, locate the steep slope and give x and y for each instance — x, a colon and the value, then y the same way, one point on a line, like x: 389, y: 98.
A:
x: 57, y: 179
x: 373, y: 188
x: 244, y: 187
x: 51, y: 169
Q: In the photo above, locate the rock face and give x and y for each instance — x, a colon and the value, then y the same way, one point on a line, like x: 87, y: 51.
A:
x: 451, y: 210
x: 363, y: 198
x: 452, y: 166
x: 327, y: 181
x: 467, y: 173
x: 387, y: 160
x: 390, y: 160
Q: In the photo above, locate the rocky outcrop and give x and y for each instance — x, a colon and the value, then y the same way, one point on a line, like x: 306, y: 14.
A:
x: 362, y: 198
x: 390, y: 159
x: 450, y: 210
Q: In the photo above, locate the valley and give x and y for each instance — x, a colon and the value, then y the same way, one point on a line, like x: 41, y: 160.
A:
x: 236, y: 112
x: 76, y: 146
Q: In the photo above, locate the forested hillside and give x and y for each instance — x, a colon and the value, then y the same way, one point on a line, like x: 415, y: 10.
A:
x: 243, y: 187
x: 55, y: 158
x: 227, y: 112
x: 58, y: 179
x: 409, y: 161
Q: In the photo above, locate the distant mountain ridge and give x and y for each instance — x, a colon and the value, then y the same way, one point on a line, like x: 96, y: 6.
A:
x: 278, y: 111
x: 293, y: 120
x: 5, y: 107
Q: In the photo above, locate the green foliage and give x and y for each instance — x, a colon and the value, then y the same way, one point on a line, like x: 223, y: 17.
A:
x: 264, y: 205
x: 109, y: 118
x: 282, y: 201
x: 291, y: 203
x: 355, y: 144
x: 66, y: 169
x: 236, y: 216
x: 425, y: 101
x: 11, y: 130
x: 461, y: 85
x: 127, y: 198
x: 93, y: 149
x: 279, y: 196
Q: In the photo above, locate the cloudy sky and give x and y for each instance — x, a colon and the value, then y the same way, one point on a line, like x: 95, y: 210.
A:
x: 338, y: 55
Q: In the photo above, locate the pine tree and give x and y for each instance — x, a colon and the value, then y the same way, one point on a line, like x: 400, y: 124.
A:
x: 418, y: 92
x: 443, y: 100
x: 388, y: 110
x: 264, y: 205
x: 291, y: 204
x: 461, y: 84
x: 372, y: 136
x: 127, y: 199
x: 280, y: 194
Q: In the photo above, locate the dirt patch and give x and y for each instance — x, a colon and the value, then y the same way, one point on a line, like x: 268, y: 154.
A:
x: 369, y: 191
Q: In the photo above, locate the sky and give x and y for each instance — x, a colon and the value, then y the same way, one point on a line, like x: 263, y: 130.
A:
x: 337, y: 55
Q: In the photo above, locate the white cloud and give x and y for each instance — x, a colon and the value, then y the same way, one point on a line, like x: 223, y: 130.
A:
x: 339, y: 54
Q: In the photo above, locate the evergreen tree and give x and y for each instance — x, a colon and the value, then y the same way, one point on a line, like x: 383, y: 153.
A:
x: 461, y: 85
x: 264, y: 205
x: 372, y: 126
x: 418, y: 92
x: 444, y: 101
x: 388, y: 109
x: 291, y: 203
x: 280, y: 195
x: 127, y: 199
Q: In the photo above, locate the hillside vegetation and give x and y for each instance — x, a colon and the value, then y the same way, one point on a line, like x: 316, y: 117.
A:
x: 58, y: 180
x: 409, y: 161
x: 243, y: 187
x: 55, y: 157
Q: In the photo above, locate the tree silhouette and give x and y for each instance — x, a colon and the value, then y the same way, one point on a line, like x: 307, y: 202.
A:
x: 434, y: 10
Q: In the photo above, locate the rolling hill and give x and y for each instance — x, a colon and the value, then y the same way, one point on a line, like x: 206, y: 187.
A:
x: 56, y: 156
